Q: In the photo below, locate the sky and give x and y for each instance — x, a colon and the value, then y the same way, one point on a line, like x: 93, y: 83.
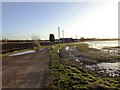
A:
x: 22, y: 20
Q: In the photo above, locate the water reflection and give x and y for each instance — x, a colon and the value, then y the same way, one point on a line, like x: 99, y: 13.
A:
x: 22, y: 53
x: 102, y: 44
x: 108, y: 65
x: 106, y: 69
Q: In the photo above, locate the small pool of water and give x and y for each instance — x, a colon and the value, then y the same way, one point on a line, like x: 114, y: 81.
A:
x: 106, y: 69
x: 22, y: 53
x: 109, y: 65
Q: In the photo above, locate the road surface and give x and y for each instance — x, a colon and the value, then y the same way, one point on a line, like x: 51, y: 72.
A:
x: 26, y: 71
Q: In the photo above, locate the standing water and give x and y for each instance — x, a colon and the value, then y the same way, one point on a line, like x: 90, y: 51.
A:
x: 111, y: 47
x: 102, y: 44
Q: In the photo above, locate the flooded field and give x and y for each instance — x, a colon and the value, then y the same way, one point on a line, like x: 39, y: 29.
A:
x: 106, y: 69
x: 103, y: 59
x: 84, y: 67
x: 102, y: 44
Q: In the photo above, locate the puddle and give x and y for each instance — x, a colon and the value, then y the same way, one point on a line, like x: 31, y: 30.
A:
x: 22, y: 53
x: 108, y: 65
x: 72, y: 52
x: 107, y: 69
x: 67, y: 49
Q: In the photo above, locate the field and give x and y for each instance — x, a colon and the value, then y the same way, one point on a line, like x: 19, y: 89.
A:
x: 11, y: 46
x: 68, y: 69
x: 69, y: 74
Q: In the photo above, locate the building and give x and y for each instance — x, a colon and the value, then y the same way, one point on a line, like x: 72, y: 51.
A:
x: 66, y: 40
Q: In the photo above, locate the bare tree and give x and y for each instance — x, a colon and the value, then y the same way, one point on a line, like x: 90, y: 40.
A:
x: 36, y: 41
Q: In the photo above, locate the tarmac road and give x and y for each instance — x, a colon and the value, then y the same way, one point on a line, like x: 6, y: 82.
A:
x: 26, y: 71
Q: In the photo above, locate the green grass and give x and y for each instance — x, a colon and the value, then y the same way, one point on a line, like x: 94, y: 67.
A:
x: 68, y: 74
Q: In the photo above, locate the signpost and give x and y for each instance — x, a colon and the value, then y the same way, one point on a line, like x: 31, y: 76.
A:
x: 59, y: 35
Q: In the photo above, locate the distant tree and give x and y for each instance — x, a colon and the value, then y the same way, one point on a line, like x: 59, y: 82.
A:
x: 52, y: 37
x: 82, y: 39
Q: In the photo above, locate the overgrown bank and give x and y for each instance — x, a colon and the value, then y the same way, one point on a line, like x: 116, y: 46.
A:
x: 69, y: 74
